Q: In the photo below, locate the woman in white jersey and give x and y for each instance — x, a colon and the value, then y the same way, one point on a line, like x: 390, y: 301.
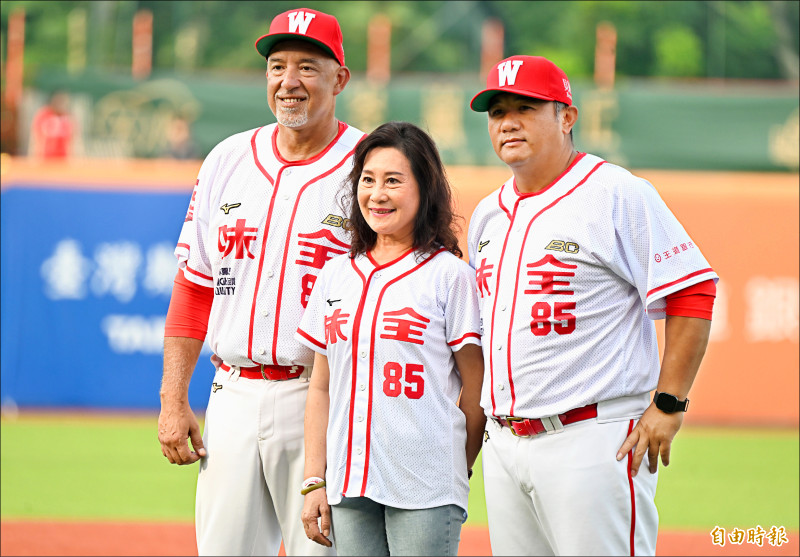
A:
x: 393, y: 421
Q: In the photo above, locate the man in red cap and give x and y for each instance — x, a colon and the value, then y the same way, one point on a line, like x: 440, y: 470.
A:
x: 575, y: 257
x: 263, y: 219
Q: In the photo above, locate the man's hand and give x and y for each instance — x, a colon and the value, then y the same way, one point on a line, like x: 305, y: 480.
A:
x: 653, y: 434
x: 176, y: 423
x: 316, y: 507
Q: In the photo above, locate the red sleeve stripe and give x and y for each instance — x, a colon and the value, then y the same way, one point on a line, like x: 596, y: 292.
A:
x: 198, y: 274
x: 185, y: 246
x: 311, y: 339
x: 462, y: 339
x: 706, y: 288
x: 687, y: 277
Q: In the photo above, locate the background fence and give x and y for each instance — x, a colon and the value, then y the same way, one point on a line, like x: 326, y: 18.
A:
x: 639, y: 123
x: 88, y: 268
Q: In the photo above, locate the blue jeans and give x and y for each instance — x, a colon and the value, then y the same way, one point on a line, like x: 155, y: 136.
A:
x: 363, y: 527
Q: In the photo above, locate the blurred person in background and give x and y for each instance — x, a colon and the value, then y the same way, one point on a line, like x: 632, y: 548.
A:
x: 179, y: 140
x: 262, y: 222
x: 397, y: 484
x: 576, y: 257
x: 53, y: 129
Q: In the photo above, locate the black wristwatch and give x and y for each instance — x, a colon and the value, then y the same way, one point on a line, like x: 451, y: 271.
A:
x: 669, y: 403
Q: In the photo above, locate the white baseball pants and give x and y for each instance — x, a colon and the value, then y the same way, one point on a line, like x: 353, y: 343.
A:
x: 566, y: 494
x: 248, y: 487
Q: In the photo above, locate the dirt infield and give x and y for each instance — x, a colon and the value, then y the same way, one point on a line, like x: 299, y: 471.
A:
x: 121, y: 538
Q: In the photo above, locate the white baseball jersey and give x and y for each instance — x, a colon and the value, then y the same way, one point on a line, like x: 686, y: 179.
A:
x: 258, y: 230
x: 570, y: 279
x: 395, y: 432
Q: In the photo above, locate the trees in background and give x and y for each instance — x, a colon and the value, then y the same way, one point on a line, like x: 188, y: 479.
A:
x: 749, y: 39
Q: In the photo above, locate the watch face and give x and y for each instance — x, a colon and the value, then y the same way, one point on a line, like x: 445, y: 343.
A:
x: 666, y: 403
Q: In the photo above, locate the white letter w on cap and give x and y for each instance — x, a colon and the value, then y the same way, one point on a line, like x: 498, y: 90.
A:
x: 507, y: 72
x: 299, y: 21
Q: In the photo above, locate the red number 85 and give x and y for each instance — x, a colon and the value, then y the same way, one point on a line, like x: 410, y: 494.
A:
x: 393, y: 385
x: 540, y: 324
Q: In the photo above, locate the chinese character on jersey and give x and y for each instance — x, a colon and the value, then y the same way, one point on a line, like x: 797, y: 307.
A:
x: 397, y: 327
x: 239, y: 237
x: 548, y: 284
x: 333, y: 326
x: 482, y: 274
x: 190, y: 212
x: 318, y: 247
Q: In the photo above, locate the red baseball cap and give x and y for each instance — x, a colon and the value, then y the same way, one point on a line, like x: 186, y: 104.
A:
x: 529, y: 76
x: 303, y: 24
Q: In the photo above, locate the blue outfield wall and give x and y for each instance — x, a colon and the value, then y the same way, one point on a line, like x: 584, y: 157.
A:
x: 86, y: 283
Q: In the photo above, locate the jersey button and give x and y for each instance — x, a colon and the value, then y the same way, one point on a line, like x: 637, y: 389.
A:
x: 269, y: 274
x: 363, y: 353
x: 362, y: 386
x: 502, y: 308
x: 359, y: 450
x: 265, y: 312
x: 499, y: 346
x: 262, y: 350
x: 500, y: 387
x: 288, y: 172
x: 359, y: 418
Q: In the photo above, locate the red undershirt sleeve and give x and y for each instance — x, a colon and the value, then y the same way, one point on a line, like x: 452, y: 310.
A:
x: 189, y: 309
x: 694, y: 301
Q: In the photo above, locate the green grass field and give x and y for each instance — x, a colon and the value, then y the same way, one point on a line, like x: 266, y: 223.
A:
x: 111, y: 468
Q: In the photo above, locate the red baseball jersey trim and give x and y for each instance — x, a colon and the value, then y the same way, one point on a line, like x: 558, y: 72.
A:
x: 390, y: 333
x: 462, y: 339
x: 354, y: 371
x: 261, y: 267
x: 569, y: 284
x: 196, y: 273
x: 236, y: 213
x: 575, y: 161
x: 267, y: 228
x: 372, y: 355
x: 519, y: 265
x: 516, y: 281
x: 633, y: 493
x: 344, y: 248
x: 680, y: 280
x: 315, y: 342
x: 278, y: 156
x: 254, y: 150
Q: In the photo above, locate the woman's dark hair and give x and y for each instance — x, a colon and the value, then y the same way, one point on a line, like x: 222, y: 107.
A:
x: 435, y: 224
